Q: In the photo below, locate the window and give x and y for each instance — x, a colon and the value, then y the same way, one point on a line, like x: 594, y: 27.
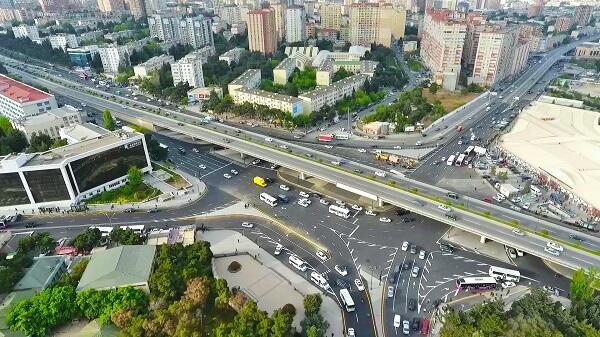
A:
x: 12, y: 191
x: 47, y: 185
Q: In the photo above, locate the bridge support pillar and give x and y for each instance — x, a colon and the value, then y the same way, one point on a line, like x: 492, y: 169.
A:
x: 379, y: 202
x: 243, y: 157
x: 301, y: 176
x: 483, y: 239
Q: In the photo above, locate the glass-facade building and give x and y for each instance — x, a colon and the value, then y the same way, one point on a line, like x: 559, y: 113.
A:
x: 81, y: 57
x: 69, y: 174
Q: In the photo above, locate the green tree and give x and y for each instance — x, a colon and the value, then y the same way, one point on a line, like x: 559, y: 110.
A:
x: 74, y: 275
x: 433, y: 88
x: 581, y: 285
x: 40, y: 142
x: 87, y: 240
x: 6, y: 127
x: 109, y: 122
x: 3, y: 70
x: 126, y: 237
x: 134, y: 176
x: 96, y: 64
x: 38, y: 242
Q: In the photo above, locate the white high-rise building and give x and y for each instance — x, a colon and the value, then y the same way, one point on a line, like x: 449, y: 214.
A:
x: 164, y: 27
x: 23, y: 31
x: 63, y: 41
x: 188, y: 69
x: 112, y: 56
x: 294, y: 24
x: 196, y: 31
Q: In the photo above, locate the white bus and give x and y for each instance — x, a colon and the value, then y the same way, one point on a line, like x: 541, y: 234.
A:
x: 450, y: 160
x: 137, y: 229
x: 339, y: 211
x: 460, y: 159
x: 347, y: 300
x: 298, y: 263
x: 476, y: 283
x: 341, y: 136
x: 104, y: 230
x: 469, y: 150
x: 268, y: 199
x: 504, y: 274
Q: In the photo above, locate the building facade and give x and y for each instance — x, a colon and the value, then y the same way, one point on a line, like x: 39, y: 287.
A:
x: 188, y: 69
x: 137, y: 8
x: 588, y: 50
x: 113, y: 56
x: 262, y: 36
x: 25, y: 31
x: 331, y: 16
x: 48, y: 123
x: 279, y: 14
x: 19, y: 100
x: 63, y: 41
x: 164, y: 27
x: 364, y: 24
x: 83, y: 56
x: 583, y: 15
x: 107, y: 6
x: 495, y: 52
x: 563, y: 24
x: 294, y: 24
x: 196, y: 31
x: 143, y: 70
x: 329, y: 95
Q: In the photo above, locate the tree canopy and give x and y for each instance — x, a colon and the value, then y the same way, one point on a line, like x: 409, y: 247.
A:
x: 109, y: 122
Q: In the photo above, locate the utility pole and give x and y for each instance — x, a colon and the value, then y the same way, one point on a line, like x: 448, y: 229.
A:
x: 349, y: 119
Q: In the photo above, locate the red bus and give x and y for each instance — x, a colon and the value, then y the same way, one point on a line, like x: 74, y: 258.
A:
x: 424, y: 327
x: 325, y: 138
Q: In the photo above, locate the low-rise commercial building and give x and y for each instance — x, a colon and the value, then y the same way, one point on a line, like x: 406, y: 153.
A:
x: 409, y: 46
x: 202, y: 94
x: 82, y: 56
x: 316, y: 99
x: 232, y: 55
x: 66, y: 175
x: 76, y: 133
x: 48, y: 123
x: 143, y: 70
x: 18, y: 100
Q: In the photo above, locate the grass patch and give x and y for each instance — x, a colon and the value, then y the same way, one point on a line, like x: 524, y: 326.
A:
x: 413, y: 65
x: 125, y: 194
x: 449, y: 100
x: 175, y: 180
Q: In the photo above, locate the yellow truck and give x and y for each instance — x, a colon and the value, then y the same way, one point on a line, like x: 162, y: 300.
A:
x: 260, y: 182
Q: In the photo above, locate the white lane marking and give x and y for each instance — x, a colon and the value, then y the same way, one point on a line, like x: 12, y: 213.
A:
x: 355, y: 229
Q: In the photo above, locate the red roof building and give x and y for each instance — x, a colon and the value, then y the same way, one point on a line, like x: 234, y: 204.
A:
x: 18, y: 100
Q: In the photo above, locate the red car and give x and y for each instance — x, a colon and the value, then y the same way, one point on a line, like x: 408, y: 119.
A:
x: 487, y: 199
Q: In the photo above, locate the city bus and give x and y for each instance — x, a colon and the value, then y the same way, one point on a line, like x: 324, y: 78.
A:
x: 137, y: 229
x: 341, y: 136
x: 450, y: 160
x: 339, y: 211
x: 460, y: 159
x: 504, y: 274
x: 482, y: 282
x: 268, y: 199
x: 104, y: 230
x: 347, y: 300
x: 297, y: 262
x: 469, y: 150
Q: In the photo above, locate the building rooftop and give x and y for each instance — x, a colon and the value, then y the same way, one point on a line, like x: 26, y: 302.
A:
x: 118, y: 267
x: 81, y: 132
x: 184, y: 235
x: 40, y: 274
x: 245, y: 77
x: 272, y: 95
x: 334, y: 86
x: 20, y: 92
x: 233, y: 52
x: 286, y: 63
x: 47, y: 117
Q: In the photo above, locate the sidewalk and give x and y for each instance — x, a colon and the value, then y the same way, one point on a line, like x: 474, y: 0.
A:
x: 376, y: 300
x: 227, y: 242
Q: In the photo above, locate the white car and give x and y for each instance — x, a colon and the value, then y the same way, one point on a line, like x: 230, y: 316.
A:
x: 370, y: 212
x: 551, y: 251
x: 405, y: 246
x: 398, y: 147
x: 380, y: 174
x: 359, y: 285
x: 284, y: 187
x: 518, y: 232
x: 256, y: 162
x: 324, y: 202
x: 304, y: 202
x: 500, y: 196
x: 415, y: 271
x: 444, y: 208
x: 322, y: 256
x: 227, y: 176
x: 554, y: 246
x: 443, y: 159
x: 247, y: 225
x: 268, y: 139
x: 497, y: 198
x: 341, y: 270
x: 362, y: 150
x: 278, y: 249
x: 384, y: 219
x: 202, y: 166
x: 396, y: 321
x: 304, y: 194
x: 507, y: 284
x: 357, y: 208
x: 422, y: 254
x: 234, y: 172
x: 283, y: 146
x: 351, y: 332
x: 195, y: 150
x: 405, y: 327
x: 390, y: 292
x: 525, y: 205
x: 329, y: 146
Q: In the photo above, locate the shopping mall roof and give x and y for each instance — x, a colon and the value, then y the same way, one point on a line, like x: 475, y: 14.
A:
x: 20, y: 92
x: 562, y: 142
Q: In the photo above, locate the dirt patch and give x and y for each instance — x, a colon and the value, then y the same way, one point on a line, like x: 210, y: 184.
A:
x: 450, y: 100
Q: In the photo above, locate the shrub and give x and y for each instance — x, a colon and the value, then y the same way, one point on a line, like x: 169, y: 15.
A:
x: 289, y: 309
x: 234, y: 267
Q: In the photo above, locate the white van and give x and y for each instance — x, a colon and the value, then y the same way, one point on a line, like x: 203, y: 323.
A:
x: 297, y: 262
x: 319, y: 280
x: 536, y: 190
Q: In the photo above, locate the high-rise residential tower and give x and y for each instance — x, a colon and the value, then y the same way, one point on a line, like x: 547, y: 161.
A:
x: 262, y: 36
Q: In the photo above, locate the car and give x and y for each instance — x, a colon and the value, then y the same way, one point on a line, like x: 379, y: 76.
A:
x: 501, y: 196
x: 284, y: 187
x: 341, y: 270
x: 415, y: 271
x: 525, y: 205
x: 357, y: 208
x: 316, y: 195
x: 507, y: 284
x: 324, y: 202
x: 234, y: 172
x: 153, y: 210
x: 304, y: 202
x: 351, y: 332
x: 370, y: 212
x: 551, y: 251
x: 340, y: 203
x: 362, y: 150
x: 554, y: 246
x: 444, y: 208
x: 283, y: 146
x: 413, y: 249
x: 422, y: 254
x: 487, y: 199
x: 384, y: 219
x: 247, y: 224
x: 341, y: 283
x: 195, y: 150
x: 227, y: 176
x: 202, y: 166
x: 268, y: 139
x: 256, y: 162
x: 336, y: 162
x: 358, y: 171
x: 398, y: 147
x: 576, y: 237
x: 304, y: 194
x: 408, y: 219
x: 380, y: 174
x: 274, y: 167
x: 278, y: 249
x: 412, y: 304
x: 405, y: 327
x: 460, y: 142
x: 391, y: 278
x: 396, y: 321
x: 518, y: 232
x: 497, y: 198
x: 322, y: 256
x: 405, y: 245
x: 359, y: 285
x: 283, y: 198
x: 129, y: 210
x: 416, y: 324
x: 390, y: 291
x: 30, y: 225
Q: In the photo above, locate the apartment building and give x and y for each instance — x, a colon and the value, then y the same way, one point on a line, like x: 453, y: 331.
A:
x: 583, y: 14
x: 521, y: 55
x: 107, y: 6
x: 316, y: 99
x: 262, y: 36
x: 48, y: 123
x: 63, y: 41
x: 26, y: 31
x: 196, y: 31
x: 188, y: 69
x: 563, y: 24
x: 442, y: 44
x: 290, y: 104
x: 239, y: 28
x: 588, y: 50
x: 232, y: 55
x: 18, y: 100
x: 283, y: 71
x: 331, y: 16
x: 230, y: 14
x: 248, y: 79
x: 143, y: 70
x: 392, y: 18
x: 364, y: 24
x: 475, y: 24
x: 137, y: 8
x: 495, y: 54
x: 164, y: 27
x: 112, y: 56
x: 279, y: 12
x: 533, y: 33
x: 294, y: 24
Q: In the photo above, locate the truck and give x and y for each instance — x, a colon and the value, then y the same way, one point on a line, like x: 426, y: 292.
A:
x: 259, y: 181
x: 382, y: 156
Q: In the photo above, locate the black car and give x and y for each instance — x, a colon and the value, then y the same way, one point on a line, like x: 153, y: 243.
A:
x: 446, y: 248
x: 413, y: 249
x: 416, y: 324
x: 30, y: 225
x: 405, y: 266
x: 409, y: 219
x: 412, y: 304
x: 153, y: 210
x: 341, y: 283
x: 392, y: 278
x: 283, y: 198
x: 316, y: 195
x: 268, y: 180
x: 402, y: 211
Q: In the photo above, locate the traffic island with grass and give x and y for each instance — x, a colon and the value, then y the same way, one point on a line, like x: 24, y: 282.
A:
x: 125, y: 194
